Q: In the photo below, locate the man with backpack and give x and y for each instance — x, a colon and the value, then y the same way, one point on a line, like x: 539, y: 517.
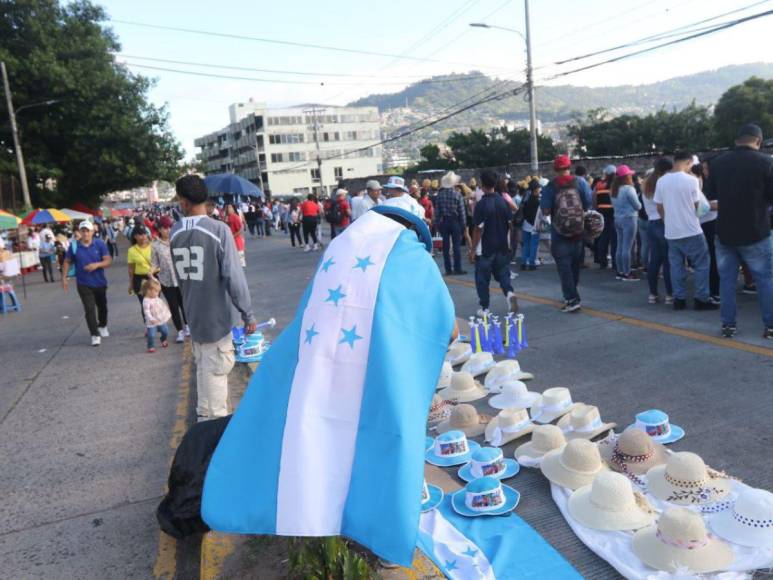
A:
x: 565, y: 200
x: 338, y: 213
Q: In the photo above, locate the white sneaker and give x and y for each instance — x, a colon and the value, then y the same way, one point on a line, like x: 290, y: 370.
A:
x: 96, y: 341
x: 512, y: 300
x: 187, y: 331
x: 307, y: 248
x: 180, y: 336
x: 316, y: 247
x: 103, y: 331
x: 483, y: 312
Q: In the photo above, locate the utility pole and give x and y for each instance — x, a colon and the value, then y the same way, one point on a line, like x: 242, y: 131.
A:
x: 313, y: 112
x: 260, y: 170
x: 25, y: 190
x: 532, y: 105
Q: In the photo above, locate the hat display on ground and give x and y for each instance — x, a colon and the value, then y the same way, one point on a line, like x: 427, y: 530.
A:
x: 488, y: 462
x: 656, y: 424
x: 463, y: 389
x: 431, y: 496
x: 544, y: 439
x: 584, y: 422
x: 440, y: 410
x: 685, y: 480
x: 479, y: 363
x: 458, y: 353
x: 503, y: 372
x: 464, y: 417
x: 574, y: 465
x: 749, y: 521
x: 446, y: 372
x: 514, y: 395
x: 451, y: 448
x: 679, y: 540
x: 610, y: 503
x: 632, y: 453
x: 508, y: 425
x: 486, y: 496
x: 552, y: 404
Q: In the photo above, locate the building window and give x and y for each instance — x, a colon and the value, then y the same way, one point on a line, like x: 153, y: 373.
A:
x: 338, y: 172
x: 296, y: 156
x: 351, y: 135
x: 277, y: 158
x: 314, y: 174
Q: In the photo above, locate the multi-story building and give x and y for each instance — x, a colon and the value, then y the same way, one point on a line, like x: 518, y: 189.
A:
x: 278, y: 148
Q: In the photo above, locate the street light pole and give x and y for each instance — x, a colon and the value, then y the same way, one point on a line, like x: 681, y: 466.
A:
x: 16, y: 144
x: 532, y: 105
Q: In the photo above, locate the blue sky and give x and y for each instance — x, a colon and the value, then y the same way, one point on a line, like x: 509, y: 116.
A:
x: 432, y: 29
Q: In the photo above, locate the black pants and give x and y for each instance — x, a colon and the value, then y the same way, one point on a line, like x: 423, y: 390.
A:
x: 295, y: 231
x: 174, y: 299
x: 136, y: 285
x: 46, y: 264
x: 94, y: 307
x: 451, y: 231
x: 606, y: 243
x: 710, y: 231
x: 310, y: 229
x: 112, y: 247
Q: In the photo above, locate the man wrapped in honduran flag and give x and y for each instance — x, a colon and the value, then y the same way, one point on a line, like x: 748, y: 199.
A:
x: 329, y: 438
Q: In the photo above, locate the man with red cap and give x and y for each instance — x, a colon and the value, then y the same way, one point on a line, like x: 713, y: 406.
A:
x: 565, y: 200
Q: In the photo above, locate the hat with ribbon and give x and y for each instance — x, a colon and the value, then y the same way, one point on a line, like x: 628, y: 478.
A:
x: 679, y: 540
x: 503, y: 372
x: 479, y: 363
x: 656, y: 424
x: 574, y: 465
x: 749, y: 521
x: 463, y: 389
x: 554, y: 403
x: 610, y: 503
x: 464, y: 418
x: 544, y: 439
x: 446, y: 372
x: 488, y: 462
x: 508, y: 425
x: 451, y: 448
x: 431, y: 496
x: 485, y: 496
x: 685, y: 480
x: 632, y: 453
x: 458, y: 353
x: 440, y: 410
x: 514, y: 395
x: 583, y: 422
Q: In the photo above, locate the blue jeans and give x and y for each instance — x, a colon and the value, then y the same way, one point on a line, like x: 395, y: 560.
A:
x: 497, y: 265
x: 644, y: 243
x: 163, y: 329
x: 694, y: 249
x: 658, y: 245
x: 451, y: 231
x: 530, y: 246
x: 758, y: 257
x: 568, y: 255
x: 625, y: 228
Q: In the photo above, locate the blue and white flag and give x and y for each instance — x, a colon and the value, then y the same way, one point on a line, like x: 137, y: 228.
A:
x: 329, y: 437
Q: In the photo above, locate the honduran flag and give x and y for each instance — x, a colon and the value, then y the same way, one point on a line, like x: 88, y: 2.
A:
x: 329, y: 438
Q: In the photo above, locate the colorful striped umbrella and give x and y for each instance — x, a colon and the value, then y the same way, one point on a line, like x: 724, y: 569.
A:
x: 45, y: 216
x: 8, y: 221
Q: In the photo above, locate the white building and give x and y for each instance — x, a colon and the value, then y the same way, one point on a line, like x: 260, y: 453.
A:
x: 284, y: 140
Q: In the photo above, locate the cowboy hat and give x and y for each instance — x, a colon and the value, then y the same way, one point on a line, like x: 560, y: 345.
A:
x: 685, y: 480
x: 609, y: 503
x: 574, y: 465
x: 431, y: 496
x: 439, y: 411
x: 505, y: 371
x: 446, y: 372
x: 488, y: 462
x: 451, y: 448
x: 514, y: 395
x: 463, y: 389
x: 633, y: 452
x: 479, y: 363
x: 656, y: 424
x: 544, y: 439
x: 554, y: 403
x: 749, y: 521
x: 583, y: 422
x: 507, y: 426
x: 458, y: 353
x: 450, y: 180
x: 465, y: 418
x: 485, y: 496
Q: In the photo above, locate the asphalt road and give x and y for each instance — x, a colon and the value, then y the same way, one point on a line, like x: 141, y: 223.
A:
x: 87, y: 434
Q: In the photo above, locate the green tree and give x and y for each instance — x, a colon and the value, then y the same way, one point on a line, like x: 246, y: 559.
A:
x: 432, y: 159
x: 749, y: 102
x: 102, y: 134
x: 498, y: 147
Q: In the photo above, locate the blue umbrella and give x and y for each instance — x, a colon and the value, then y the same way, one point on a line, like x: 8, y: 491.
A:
x: 230, y: 183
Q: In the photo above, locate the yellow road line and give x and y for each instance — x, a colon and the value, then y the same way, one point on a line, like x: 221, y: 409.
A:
x: 657, y: 326
x: 166, y: 555
x: 215, y: 548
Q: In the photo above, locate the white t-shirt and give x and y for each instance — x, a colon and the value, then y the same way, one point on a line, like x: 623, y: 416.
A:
x: 407, y: 203
x: 650, y: 207
x: 679, y: 192
x: 363, y: 203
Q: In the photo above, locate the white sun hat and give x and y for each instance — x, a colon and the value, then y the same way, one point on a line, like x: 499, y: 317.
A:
x: 514, y: 395
x: 504, y: 372
x: 458, y: 353
x: 479, y: 363
x: 508, y: 425
x: 554, y: 403
x: 685, y: 480
x: 679, y: 540
x: 463, y: 389
x: 749, y: 521
x: 574, y: 465
x: 465, y: 418
x: 444, y: 380
x: 544, y: 439
x: 584, y: 422
x: 610, y: 503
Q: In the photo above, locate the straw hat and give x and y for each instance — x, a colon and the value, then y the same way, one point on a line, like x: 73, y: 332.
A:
x: 450, y: 180
x: 431, y: 496
x: 514, y: 395
x: 504, y: 372
x: 609, y: 503
x: 451, y: 448
x: 508, y: 425
x: 463, y: 389
x: 554, y: 403
x: 440, y: 410
x: 488, y: 462
x: 479, y: 363
x: 633, y: 452
x: 485, y: 496
x: 574, y: 465
x: 679, y: 540
x: 657, y: 425
x: 444, y: 380
x: 749, y: 522
x: 465, y: 418
x: 458, y: 353
x: 685, y: 480
x: 584, y: 422
x: 544, y: 439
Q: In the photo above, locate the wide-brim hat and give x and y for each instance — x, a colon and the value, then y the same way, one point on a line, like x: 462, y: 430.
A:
x: 503, y: 372
x: 683, y: 547
x: 479, y: 363
x: 514, y: 395
x: 508, y: 425
x: 450, y: 180
x: 432, y: 456
x: 544, y: 439
x: 436, y: 496
x: 446, y: 372
x: 458, y: 353
x: 749, y: 521
x: 657, y: 425
x: 511, y: 469
x: 574, y: 465
x: 464, y: 418
x: 440, y: 410
x: 685, y: 480
x: 428, y: 444
x: 552, y: 404
x: 463, y: 389
x: 633, y: 449
x: 512, y: 498
x: 610, y: 503
x: 584, y: 422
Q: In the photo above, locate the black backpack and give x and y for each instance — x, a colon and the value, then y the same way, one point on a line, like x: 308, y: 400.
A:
x: 333, y: 213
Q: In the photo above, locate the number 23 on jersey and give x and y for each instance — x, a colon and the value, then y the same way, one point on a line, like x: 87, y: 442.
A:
x: 189, y: 263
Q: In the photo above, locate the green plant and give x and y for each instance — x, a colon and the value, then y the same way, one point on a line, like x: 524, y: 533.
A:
x: 329, y: 558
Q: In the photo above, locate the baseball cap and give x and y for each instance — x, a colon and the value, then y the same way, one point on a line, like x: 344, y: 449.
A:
x: 341, y: 192
x: 750, y: 130
x: 86, y: 225
x: 610, y: 170
x: 561, y: 162
x: 374, y: 184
